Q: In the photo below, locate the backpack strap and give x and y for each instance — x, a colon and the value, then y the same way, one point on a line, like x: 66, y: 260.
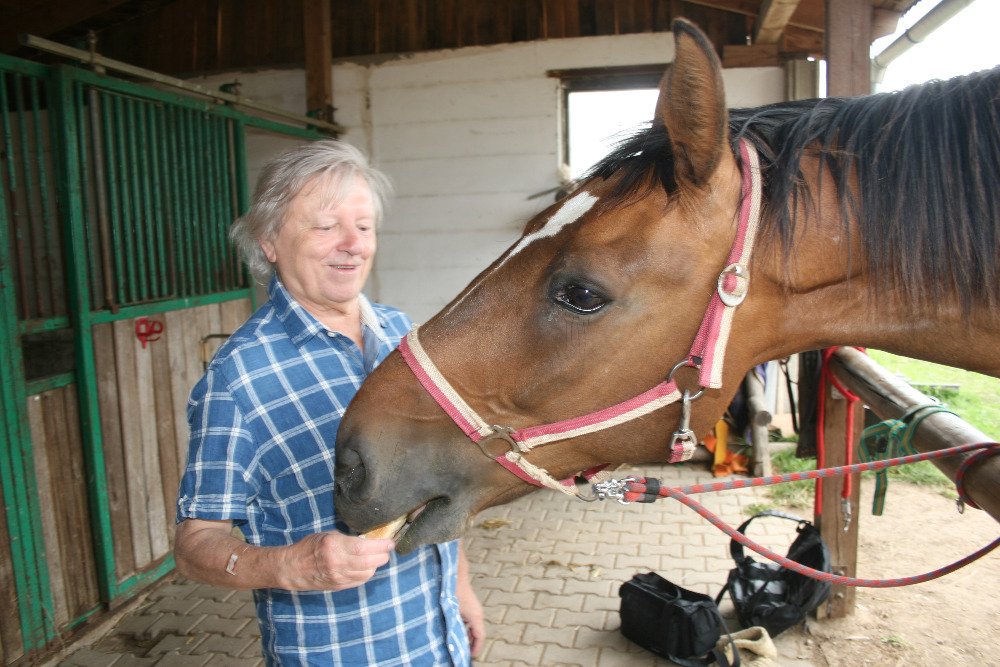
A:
x: 736, y: 549
x: 716, y: 655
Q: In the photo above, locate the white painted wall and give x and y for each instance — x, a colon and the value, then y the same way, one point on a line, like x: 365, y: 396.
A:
x: 466, y: 136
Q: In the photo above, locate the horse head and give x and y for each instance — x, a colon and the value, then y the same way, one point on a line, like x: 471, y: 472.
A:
x: 593, y: 312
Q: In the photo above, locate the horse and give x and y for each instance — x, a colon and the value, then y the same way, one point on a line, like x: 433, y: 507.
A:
x: 756, y: 233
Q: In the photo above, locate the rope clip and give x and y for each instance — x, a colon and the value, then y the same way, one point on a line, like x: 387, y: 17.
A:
x: 613, y: 489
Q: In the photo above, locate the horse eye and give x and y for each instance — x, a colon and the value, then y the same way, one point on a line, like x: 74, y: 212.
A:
x: 580, y: 299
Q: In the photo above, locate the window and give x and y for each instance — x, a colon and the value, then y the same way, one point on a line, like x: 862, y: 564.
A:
x: 602, y: 106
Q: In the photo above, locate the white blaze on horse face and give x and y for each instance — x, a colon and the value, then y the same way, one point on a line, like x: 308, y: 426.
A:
x: 571, y: 211
x: 568, y: 213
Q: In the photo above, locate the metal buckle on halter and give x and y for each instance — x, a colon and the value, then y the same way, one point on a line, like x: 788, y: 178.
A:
x: 500, y: 433
x: 735, y: 297
x: 680, y: 364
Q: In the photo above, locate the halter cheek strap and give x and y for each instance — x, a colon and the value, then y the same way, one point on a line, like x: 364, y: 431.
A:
x: 707, y: 353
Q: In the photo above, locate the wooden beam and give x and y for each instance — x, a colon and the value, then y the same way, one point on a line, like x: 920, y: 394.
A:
x: 758, y: 55
x: 772, y: 20
x: 317, y: 33
x: 848, y: 41
x: 48, y: 17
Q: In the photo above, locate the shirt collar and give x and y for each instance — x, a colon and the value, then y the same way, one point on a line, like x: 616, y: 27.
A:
x: 302, y: 325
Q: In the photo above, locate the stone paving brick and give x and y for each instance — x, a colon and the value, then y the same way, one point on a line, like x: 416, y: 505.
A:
x: 129, y: 660
x: 230, y: 646
x: 175, y: 605
x: 543, y: 636
x: 575, y: 619
x: 88, y: 657
x: 182, y: 660
x: 229, y: 661
x: 227, y: 609
x: 173, y: 624
x: 557, y: 656
x: 230, y: 627
x: 502, y: 650
x: 175, y: 644
x: 539, y: 617
x: 570, y: 602
x: 137, y: 624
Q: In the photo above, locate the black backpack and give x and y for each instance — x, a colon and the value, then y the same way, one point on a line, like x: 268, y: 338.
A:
x: 671, y: 621
x: 771, y: 596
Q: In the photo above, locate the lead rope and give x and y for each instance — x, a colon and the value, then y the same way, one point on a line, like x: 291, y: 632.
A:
x: 645, y: 490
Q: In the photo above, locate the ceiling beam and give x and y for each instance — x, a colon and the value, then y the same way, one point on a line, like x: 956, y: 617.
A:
x: 48, y: 17
x: 772, y: 20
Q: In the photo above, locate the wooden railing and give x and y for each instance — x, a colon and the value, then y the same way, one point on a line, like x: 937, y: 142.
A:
x: 889, y: 397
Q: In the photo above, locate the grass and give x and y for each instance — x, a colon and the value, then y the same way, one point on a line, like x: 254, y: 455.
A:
x: 975, y: 401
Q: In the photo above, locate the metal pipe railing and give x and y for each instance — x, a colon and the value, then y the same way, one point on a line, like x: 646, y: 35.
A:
x: 97, y: 60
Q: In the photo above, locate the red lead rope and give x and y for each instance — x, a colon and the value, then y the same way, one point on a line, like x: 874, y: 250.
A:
x: 648, y: 490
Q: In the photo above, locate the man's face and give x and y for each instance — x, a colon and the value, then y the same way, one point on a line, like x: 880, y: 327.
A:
x: 324, y: 252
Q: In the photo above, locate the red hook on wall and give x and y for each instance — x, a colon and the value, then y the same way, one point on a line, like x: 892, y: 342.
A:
x: 147, y: 330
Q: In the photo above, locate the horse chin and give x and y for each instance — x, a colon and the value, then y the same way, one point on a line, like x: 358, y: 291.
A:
x: 439, y: 521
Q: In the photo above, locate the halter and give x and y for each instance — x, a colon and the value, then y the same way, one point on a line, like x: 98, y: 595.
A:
x: 707, y: 354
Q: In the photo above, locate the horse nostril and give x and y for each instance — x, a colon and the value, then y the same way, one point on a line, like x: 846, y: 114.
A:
x: 350, y: 472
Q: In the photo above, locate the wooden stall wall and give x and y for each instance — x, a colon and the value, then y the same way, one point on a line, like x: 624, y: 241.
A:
x: 11, y: 645
x: 62, y: 489
x: 143, y: 392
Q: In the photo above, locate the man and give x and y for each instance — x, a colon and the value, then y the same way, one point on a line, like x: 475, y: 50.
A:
x: 263, y: 423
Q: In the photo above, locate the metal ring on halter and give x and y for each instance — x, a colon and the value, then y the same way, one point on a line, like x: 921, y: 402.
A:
x: 679, y: 364
x: 735, y: 298
x: 500, y: 433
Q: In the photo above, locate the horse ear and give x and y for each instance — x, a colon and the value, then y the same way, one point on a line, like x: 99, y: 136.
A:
x: 692, y: 105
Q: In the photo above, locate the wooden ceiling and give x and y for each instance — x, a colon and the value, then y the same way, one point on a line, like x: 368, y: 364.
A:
x: 195, y: 36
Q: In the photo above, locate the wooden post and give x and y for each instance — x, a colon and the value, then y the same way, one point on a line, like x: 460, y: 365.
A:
x: 760, y: 419
x: 848, y: 41
x: 839, y: 531
x: 318, y: 59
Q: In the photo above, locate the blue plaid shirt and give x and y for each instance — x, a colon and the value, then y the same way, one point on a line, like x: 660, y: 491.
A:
x: 263, y: 422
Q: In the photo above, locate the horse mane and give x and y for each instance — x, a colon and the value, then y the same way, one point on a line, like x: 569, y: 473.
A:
x: 926, y: 161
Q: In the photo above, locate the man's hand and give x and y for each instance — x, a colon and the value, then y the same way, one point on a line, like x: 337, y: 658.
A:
x: 334, y: 561
x: 325, y: 561
x: 469, y: 606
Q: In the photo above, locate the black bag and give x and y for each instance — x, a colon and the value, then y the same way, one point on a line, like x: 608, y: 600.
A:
x: 770, y: 595
x: 671, y: 621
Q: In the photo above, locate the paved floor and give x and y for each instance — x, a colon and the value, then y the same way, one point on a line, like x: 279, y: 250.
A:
x: 547, y: 569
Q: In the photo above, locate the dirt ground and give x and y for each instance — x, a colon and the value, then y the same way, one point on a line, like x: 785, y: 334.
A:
x: 951, y: 621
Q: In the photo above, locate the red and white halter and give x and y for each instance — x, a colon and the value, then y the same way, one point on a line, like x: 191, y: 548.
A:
x: 707, y: 354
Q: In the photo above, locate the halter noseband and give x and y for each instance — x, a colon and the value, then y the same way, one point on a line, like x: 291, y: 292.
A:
x: 707, y: 354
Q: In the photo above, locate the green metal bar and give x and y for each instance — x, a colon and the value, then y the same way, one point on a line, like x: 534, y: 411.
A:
x: 169, y: 215
x: 242, y: 195
x: 136, y: 582
x: 175, y: 205
x: 197, y: 249
x: 90, y: 221
x: 160, y: 284
x: 136, y: 226
x: 147, y: 309
x: 123, y: 257
x: 13, y: 468
x: 49, y: 324
x: 203, y: 193
x: 23, y: 207
x: 50, y: 247
x: 48, y: 383
x: 109, y: 106
x: 79, y: 299
x: 21, y: 66
x: 228, y: 272
x: 216, y: 203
